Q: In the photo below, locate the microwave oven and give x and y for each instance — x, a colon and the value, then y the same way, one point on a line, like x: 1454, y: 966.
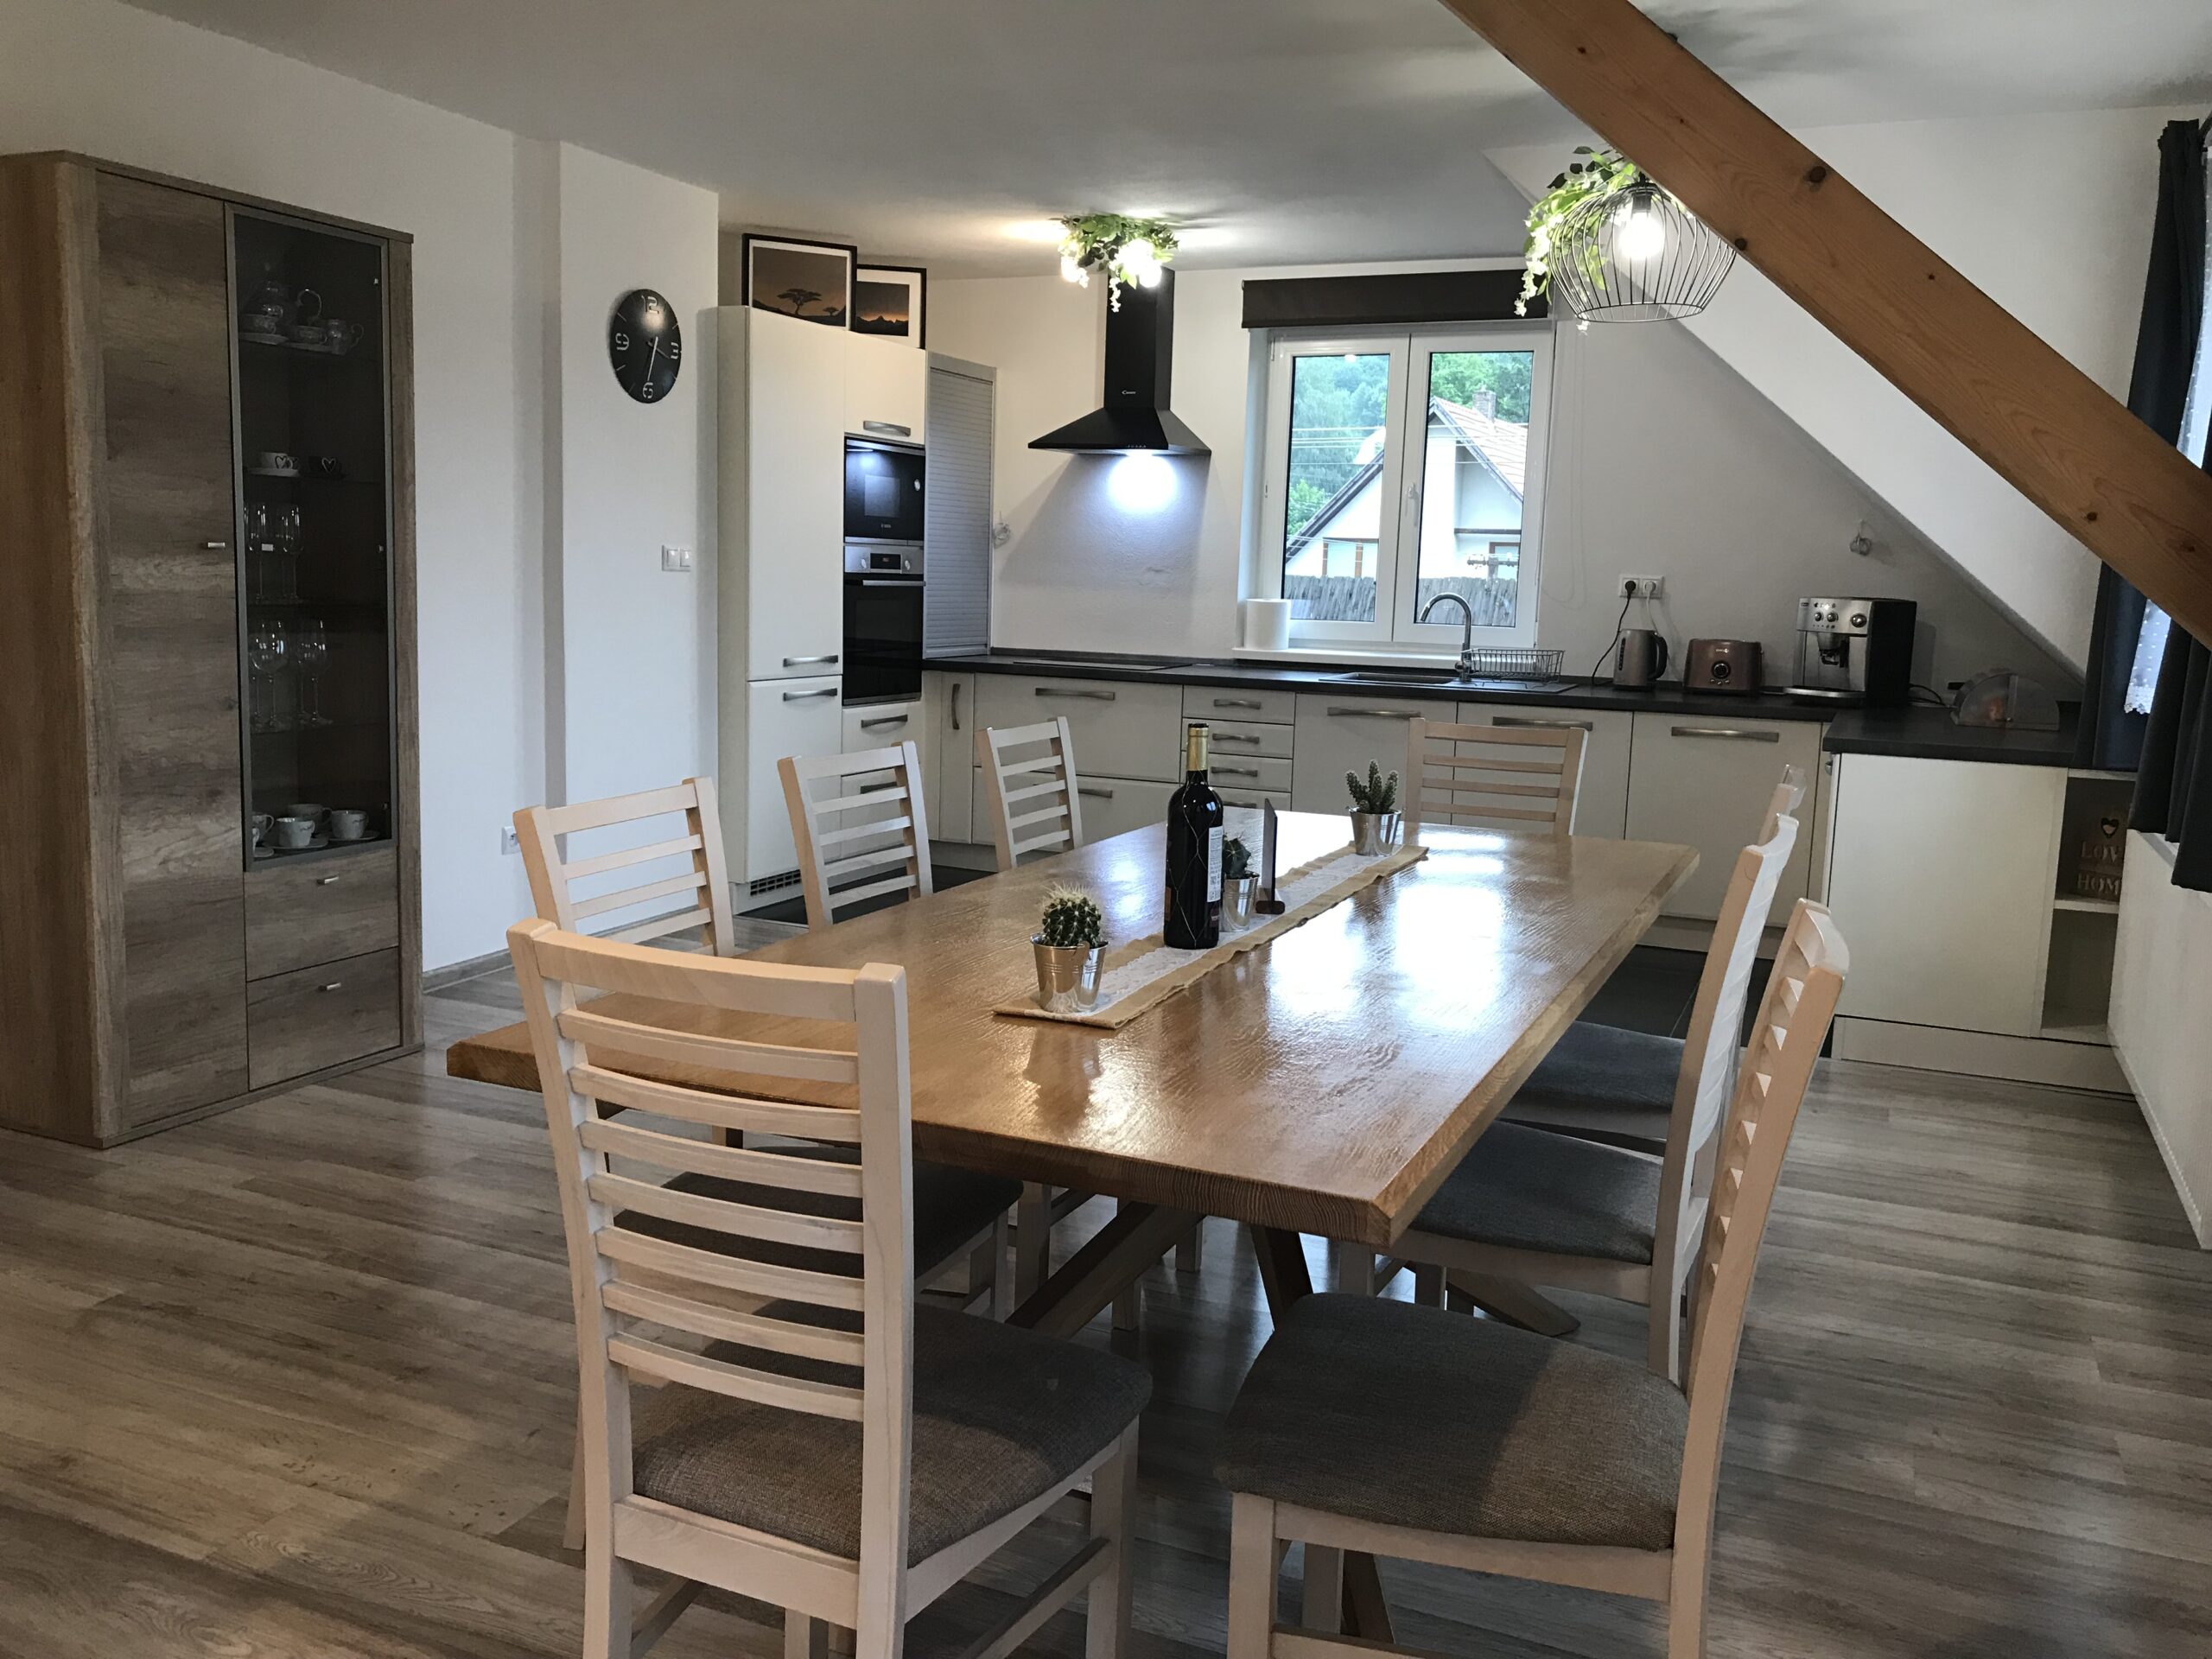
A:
x: 883, y: 490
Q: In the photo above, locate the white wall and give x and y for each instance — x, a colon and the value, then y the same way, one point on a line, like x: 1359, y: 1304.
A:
x: 2164, y: 953
x: 1663, y: 463
x: 638, y: 642
x: 2050, y: 215
x: 492, y: 338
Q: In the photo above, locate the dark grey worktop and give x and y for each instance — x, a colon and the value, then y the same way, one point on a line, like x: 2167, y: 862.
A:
x: 1917, y: 733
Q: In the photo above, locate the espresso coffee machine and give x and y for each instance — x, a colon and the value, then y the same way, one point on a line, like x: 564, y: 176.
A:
x: 1855, y: 651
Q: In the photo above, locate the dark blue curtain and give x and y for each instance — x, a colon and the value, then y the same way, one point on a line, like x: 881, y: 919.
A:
x: 2173, y: 789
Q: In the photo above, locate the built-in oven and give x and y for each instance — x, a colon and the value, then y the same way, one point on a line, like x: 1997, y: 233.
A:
x: 883, y: 490
x: 883, y: 621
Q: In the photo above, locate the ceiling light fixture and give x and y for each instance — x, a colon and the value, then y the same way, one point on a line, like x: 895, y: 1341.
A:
x: 1616, y: 246
x: 1130, y: 250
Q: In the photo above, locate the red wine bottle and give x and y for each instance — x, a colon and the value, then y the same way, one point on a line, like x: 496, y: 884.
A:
x: 1194, y: 827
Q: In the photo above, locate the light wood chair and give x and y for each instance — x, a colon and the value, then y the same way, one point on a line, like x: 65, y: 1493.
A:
x: 841, y: 856
x: 1534, y: 1208
x: 819, y: 1442
x: 700, y: 899
x: 1029, y: 776
x: 1403, y: 1430
x: 1518, y: 778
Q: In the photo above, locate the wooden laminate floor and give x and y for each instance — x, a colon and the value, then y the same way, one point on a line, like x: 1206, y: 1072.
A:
x: 297, y: 1381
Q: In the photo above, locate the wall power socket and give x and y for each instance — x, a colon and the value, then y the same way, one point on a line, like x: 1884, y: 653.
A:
x: 1643, y: 587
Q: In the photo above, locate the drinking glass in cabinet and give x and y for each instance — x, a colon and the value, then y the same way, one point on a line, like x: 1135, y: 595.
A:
x: 267, y: 650
x: 311, y: 649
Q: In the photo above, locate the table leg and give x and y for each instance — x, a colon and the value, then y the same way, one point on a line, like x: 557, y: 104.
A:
x: 1284, y: 1277
x: 1033, y: 1239
x: 1513, y: 1302
x: 1117, y: 1255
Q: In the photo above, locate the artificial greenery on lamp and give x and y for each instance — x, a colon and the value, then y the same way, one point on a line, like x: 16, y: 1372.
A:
x: 1619, y: 245
x: 1127, y: 249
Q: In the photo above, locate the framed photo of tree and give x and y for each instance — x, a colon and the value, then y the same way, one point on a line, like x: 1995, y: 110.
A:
x: 811, y: 280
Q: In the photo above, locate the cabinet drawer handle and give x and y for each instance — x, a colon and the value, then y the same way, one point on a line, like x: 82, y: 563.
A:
x: 870, y: 789
x: 1237, y: 737
x: 1375, y: 713
x: 1238, y: 772
x: 334, y: 985
x: 1555, y: 725
x: 1094, y: 792
x: 801, y: 661
x: 801, y: 697
x: 885, y: 719
x: 327, y: 881
x: 1090, y: 696
x: 892, y: 428
x: 956, y: 705
x: 1736, y: 733
x: 214, y: 547
x: 1238, y: 702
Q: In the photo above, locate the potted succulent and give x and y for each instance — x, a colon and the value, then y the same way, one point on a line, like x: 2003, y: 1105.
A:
x: 1240, y: 884
x: 1374, y: 811
x: 1071, y: 949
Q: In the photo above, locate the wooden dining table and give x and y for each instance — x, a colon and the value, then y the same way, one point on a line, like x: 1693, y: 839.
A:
x: 1325, y: 1083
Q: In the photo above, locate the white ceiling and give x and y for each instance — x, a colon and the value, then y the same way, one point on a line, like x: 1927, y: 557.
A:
x: 1281, y: 130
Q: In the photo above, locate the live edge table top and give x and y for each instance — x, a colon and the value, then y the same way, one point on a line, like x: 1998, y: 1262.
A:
x: 1324, y: 1082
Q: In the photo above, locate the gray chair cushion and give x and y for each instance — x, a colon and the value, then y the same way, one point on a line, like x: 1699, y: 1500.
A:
x: 1531, y: 1190
x: 1001, y: 1415
x: 951, y: 1205
x: 1411, y: 1416
x: 1604, y: 1080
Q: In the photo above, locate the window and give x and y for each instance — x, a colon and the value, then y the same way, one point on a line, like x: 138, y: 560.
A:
x: 1403, y: 469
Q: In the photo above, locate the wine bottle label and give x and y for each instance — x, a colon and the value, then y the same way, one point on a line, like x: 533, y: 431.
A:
x: 1213, y: 865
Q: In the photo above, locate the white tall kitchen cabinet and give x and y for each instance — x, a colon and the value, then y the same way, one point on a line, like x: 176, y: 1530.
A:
x: 790, y: 391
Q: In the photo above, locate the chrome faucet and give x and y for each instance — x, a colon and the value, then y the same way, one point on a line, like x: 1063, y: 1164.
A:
x: 1466, y: 629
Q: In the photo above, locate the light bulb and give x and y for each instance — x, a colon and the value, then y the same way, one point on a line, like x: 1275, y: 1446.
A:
x: 1638, y: 233
x: 1149, y: 277
x: 1070, y: 269
x: 1139, y: 253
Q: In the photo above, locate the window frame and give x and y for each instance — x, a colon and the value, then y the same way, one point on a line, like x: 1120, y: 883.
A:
x: 1411, y: 352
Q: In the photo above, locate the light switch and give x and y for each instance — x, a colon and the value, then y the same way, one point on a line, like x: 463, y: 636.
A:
x: 675, y: 558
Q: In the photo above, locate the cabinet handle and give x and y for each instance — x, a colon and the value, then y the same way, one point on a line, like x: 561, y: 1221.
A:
x: 886, y: 582
x: 1376, y: 714
x: 326, y: 880
x: 334, y: 985
x: 801, y: 661
x: 870, y: 789
x: 1238, y: 772
x: 956, y: 705
x: 1237, y: 737
x: 891, y: 427
x: 1237, y: 702
x: 883, y: 719
x: 801, y: 697
x: 1094, y: 792
x: 1555, y: 725
x: 1090, y: 696
x: 1736, y: 733
x: 214, y: 547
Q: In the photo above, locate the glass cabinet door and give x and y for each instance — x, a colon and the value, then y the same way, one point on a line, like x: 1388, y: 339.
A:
x: 313, y: 444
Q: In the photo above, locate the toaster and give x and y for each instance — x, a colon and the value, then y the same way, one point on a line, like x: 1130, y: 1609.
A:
x: 1722, y: 666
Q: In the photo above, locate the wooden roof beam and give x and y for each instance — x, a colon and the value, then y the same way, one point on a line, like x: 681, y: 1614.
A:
x: 1992, y: 382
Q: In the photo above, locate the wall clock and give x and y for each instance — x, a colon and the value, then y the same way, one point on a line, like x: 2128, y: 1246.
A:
x: 644, y: 344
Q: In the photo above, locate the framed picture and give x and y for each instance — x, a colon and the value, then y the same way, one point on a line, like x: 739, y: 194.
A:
x: 890, y: 300
x: 812, y: 281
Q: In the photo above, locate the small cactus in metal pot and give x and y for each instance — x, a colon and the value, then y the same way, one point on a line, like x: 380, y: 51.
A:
x: 1236, y: 859
x: 1071, y: 917
x: 1375, y: 793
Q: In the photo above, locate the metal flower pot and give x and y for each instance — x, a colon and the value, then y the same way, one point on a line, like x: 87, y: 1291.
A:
x: 1374, y: 833
x: 1237, y: 895
x: 1068, y: 975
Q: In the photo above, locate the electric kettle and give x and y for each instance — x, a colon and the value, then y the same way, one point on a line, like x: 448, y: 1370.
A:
x: 1639, y: 660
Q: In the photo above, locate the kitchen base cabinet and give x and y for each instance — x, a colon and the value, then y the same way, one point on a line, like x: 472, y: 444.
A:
x: 949, y: 705
x: 1341, y: 731
x: 1601, y: 799
x: 319, y: 1017
x: 192, y: 642
x: 1120, y: 730
x: 1704, y: 780
x: 1113, y: 805
x: 783, y: 717
x: 882, y: 726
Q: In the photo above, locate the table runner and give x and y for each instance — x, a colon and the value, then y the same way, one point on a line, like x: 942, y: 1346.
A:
x: 1144, y: 972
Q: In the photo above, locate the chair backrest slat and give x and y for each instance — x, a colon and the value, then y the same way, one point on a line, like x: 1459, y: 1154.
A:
x: 1786, y: 1047
x: 1024, y: 764
x: 886, y: 781
x: 647, y: 1260
x: 1510, y: 776
x: 549, y: 837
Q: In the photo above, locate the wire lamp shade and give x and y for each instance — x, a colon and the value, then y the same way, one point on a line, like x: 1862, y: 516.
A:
x: 1636, y: 256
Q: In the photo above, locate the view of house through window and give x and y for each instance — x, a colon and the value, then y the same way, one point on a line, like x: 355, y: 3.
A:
x: 1400, y: 469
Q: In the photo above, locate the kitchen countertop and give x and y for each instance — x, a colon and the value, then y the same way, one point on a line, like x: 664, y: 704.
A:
x: 1915, y: 733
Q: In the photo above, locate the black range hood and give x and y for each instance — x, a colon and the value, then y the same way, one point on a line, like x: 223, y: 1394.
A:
x: 1140, y: 367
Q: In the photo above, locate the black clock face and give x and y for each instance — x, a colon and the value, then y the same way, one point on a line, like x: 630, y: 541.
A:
x: 644, y: 344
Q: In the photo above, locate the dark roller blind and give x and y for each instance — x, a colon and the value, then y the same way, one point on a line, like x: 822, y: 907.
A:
x: 1403, y: 297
